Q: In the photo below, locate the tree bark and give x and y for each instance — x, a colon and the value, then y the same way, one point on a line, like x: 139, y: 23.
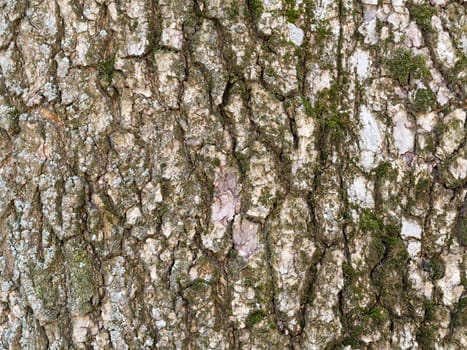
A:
x: 207, y: 174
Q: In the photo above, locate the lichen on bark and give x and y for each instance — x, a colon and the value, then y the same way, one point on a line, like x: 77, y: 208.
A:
x: 255, y: 174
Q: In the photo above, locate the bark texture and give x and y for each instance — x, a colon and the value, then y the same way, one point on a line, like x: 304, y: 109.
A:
x: 226, y: 174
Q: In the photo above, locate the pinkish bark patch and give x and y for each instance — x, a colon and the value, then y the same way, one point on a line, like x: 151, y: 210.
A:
x: 226, y: 200
x: 245, y: 237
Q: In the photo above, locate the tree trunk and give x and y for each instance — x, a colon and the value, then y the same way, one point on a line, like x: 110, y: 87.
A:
x: 207, y: 174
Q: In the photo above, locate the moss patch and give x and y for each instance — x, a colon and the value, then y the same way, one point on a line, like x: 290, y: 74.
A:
x: 435, y: 267
x: 422, y: 189
x: 290, y: 13
x: 82, y: 284
x: 426, y: 337
x: 459, y: 317
x: 369, y: 222
x: 349, y: 272
x: 422, y: 14
x: 107, y: 69
x: 255, y: 7
x: 424, y: 101
x: 254, y: 318
x: 328, y: 109
x: 463, y: 231
x: 307, y: 106
x: 378, y: 314
x: 200, y: 284
x: 13, y: 112
x: 404, y: 65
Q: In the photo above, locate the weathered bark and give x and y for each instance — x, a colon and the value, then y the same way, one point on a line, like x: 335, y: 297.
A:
x: 207, y: 174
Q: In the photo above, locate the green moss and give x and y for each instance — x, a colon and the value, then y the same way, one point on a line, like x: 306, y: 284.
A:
x: 232, y: 12
x: 242, y: 162
x: 369, y: 222
x: 382, y: 169
x: 462, y: 233
x: 163, y: 209
x: 81, y: 281
x: 290, y: 13
x: 200, y: 284
x: 424, y: 101
x: 456, y: 73
x: 46, y: 289
x: 13, y: 112
x: 429, y: 310
x: 248, y: 282
x: 426, y: 337
x: 385, y: 170
x: 376, y: 253
x: 392, y: 230
x: 216, y: 162
x: 378, y: 314
x: 435, y: 267
x: 350, y: 341
x: 404, y: 65
x: 430, y: 143
x: 254, y: 318
x: 255, y: 7
x: 422, y: 189
x: 233, y: 254
x: 307, y: 106
x: 322, y: 33
x: 422, y: 14
x: 397, y: 252
x: 349, y: 271
x: 107, y: 69
x: 334, y: 122
x: 459, y: 317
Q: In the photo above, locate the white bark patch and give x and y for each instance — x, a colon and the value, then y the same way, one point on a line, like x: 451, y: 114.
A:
x: 427, y: 121
x: 454, y: 133
x: 360, y: 193
x: 173, y: 38
x: 450, y: 284
x: 272, y: 4
x: 404, y: 336
x: 403, y: 132
x: 443, y: 95
x: 413, y: 36
x: 151, y: 196
x: 360, y: 61
x: 320, y: 80
x: 458, y: 167
x: 414, y: 248
x: 444, y: 48
x: 295, y: 34
x: 81, y: 326
x: 323, y: 325
x: 411, y: 228
x: 398, y: 3
x: 371, y: 139
x: 369, y: 32
x: 132, y: 215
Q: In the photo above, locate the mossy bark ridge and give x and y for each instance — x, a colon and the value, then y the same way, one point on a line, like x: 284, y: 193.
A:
x: 255, y: 174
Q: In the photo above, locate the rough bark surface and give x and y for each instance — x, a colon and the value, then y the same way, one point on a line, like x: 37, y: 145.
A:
x: 223, y: 174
